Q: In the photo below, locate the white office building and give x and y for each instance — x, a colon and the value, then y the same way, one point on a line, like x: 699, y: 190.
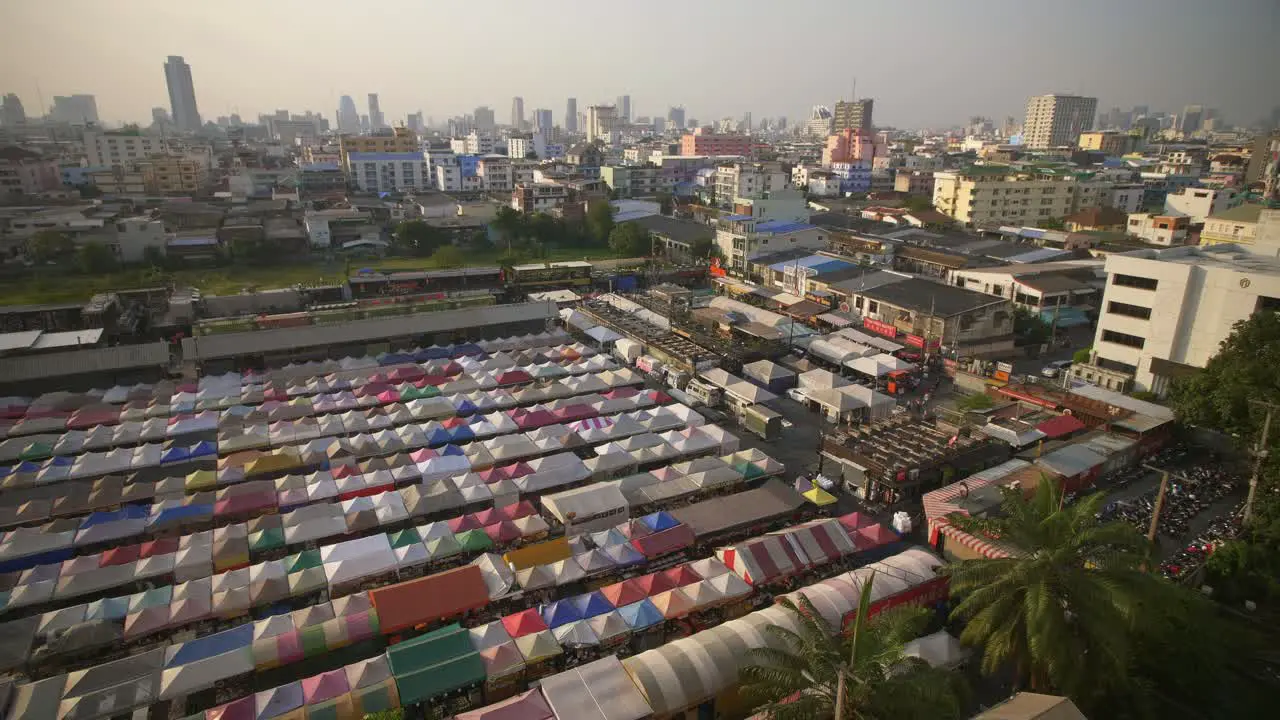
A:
x: 389, y: 172
x: 1057, y: 120
x: 1165, y: 312
x: 1199, y: 203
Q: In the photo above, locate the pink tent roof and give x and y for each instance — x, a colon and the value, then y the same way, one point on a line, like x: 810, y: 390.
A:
x: 504, y: 531
x: 517, y: 510
x: 389, y: 396
x: 402, y: 374
x: 464, y: 523
x: 529, y: 705
x: 855, y: 520
x: 494, y: 474
x: 518, y: 470
x: 242, y: 709
x: 319, y: 688
x: 343, y: 470
x: 873, y: 536
x: 422, y: 455
x: 489, y: 516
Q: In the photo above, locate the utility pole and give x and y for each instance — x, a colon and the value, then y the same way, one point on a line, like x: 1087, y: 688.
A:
x: 1164, y: 488
x: 1259, y: 454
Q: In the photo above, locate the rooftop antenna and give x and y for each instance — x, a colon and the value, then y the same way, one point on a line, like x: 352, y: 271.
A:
x: 853, y: 90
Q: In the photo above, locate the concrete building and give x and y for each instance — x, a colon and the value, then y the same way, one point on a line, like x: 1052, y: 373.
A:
x: 12, y: 114
x: 852, y: 115
x: 819, y: 122
x: 1165, y: 312
x: 522, y: 147
x: 601, y: 123
x: 394, y: 140
x: 74, y: 109
x: 495, y: 173
x: 1127, y: 198
x: 1199, y: 203
x: 129, y: 238
x: 475, y: 143
x: 926, y: 314
x: 1002, y: 194
x: 125, y: 179
x: 539, y: 197
x: 483, y: 119
x: 348, y: 116
x: 624, y: 108
x: 855, y: 176
x: 785, y: 204
x: 700, y: 142
x: 1057, y: 120
x: 118, y: 148
x: 1166, y: 230
x: 675, y: 117
x: 517, y: 113
x: 748, y: 180
x: 23, y: 172
x: 1109, y: 142
x: 742, y: 237
x: 182, y: 94
x: 376, y: 120
x: 172, y: 174
x: 542, y: 121
x: 1238, y: 226
x: 571, y: 115
x: 378, y: 172
x: 636, y: 181
x: 851, y: 145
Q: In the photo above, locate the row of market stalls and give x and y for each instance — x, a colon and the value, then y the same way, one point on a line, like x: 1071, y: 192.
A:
x: 512, y: 649
x: 1074, y: 465
x: 445, y: 483
x: 841, y: 401
x: 340, y: 412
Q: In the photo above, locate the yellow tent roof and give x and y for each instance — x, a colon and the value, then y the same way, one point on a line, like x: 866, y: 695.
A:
x: 286, y: 459
x: 819, y: 497
x: 543, y: 553
x: 201, y: 480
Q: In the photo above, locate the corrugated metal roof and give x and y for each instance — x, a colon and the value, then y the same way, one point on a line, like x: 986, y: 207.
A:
x: 76, y: 362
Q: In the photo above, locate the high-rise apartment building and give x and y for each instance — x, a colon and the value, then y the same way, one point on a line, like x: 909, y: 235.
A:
x: 376, y: 120
x: 12, y: 113
x: 182, y: 94
x: 852, y: 115
x: 675, y: 117
x: 601, y: 120
x: 416, y: 123
x: 571, y: 115
x: 624, y: 108
x: 517, y: 112
x: 483, y: 119
x: 1057, y: 120
x: 348, y: 116
x: 1192, y: 119
x: 542, y: 120
x: 75, y: 109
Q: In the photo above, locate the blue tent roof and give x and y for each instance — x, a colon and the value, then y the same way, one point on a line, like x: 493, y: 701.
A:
x: 434, y: 353
x: 640, y: 615
x: 175, y: 455
x: 203, y: 448
x: 394, y: 359
x: 26, y: 466
x: 560, y: 612
x: 437, y: 435
x: 180, y: 513
x: 114, y: 608
x: 608, y: 537
x: 624, y: 554
x: 591, y: 604
x: 60, y: 461
x: 128, y: 512
x: 211, y: 645
x: 460, y: 433
x: 659, y: 521
x: 6, y: 471
x: 450, y: 450
x: 467, y: 349
x: 465, y: 407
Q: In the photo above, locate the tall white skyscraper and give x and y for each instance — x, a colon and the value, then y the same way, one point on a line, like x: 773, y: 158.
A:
x: 376, y: 121
x: 517, y: 112
x: 182, y: 94
x: 348, y: 116
x: 571, y: 115
x: 1057, y: 120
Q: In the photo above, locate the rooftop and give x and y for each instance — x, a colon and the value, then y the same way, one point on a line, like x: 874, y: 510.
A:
x: 924, y: 296
x: 1247, y: 213
x: 385, y: 157
x: 684, y: 231
x: 1224, y: 257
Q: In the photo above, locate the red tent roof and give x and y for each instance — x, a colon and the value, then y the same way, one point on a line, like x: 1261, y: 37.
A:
x: 855, y: 520
x: 873, y: 536
x: 1061, y: 426
x: 525, y: 622
x: 504, y: 531
x: 464, y: 523
x: 681, y: 575
x: 653, y: 583
x: 517, y: 510
x: 624, y: 593
x: 120, y: 555
x: 662, y: 543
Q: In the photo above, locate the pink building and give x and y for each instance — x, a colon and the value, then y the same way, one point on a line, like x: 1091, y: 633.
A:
x: 699, y: 142
x: 852, y: 145
x: 27, y: 173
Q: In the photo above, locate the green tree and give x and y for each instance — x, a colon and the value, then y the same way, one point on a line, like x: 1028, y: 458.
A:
x: 546, y: 230
x: 479, y: 242
x: 977, y: 401
x: 701, y: 248
x: 511, y: 224
x: 154, y: 256
x: 600, y: 221
x: 1030, y: 328
x: 1051, y: 224
x: 49, y: 246
x: 1081, y: 356
x: 666, y: 204
x: 630, y: 240
x: 799, y: 675
x: 418, y: 237
x: 95, y: 258
x: 449, y: 256
x: 1075, y: 589
x: 916, y: 203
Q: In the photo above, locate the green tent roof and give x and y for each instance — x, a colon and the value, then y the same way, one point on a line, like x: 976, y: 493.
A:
x: 436, y: 663
x: 268, y: 539
x: 303, y: 561
x: 401, y: 538
x: 474, y: 540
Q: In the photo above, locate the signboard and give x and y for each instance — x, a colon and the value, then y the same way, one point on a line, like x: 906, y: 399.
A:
x: 882, y: 328
x: 918, y: 342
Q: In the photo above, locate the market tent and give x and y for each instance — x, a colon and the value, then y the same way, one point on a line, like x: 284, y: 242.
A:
x: 538, y: 646
x: 598, y: 690
x: 525, y: 706
x: 939, y: 649
x: 640, y: 615
x: 434, y: 664
x: 429, y: 599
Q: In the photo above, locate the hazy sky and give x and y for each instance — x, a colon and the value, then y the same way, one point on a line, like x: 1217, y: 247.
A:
x: 926, y: 62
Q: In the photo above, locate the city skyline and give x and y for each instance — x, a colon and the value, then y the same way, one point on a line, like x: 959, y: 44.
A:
x: 239, y: 70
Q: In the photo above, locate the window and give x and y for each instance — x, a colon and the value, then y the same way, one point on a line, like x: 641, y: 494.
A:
x: 1115, y: 365
x: 1125, y: 339
x: 1133, y: 311
x: 1134, y: 281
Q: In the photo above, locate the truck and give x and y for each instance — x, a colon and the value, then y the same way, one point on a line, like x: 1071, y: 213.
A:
x: 762, y: 421
x: 704, y: 392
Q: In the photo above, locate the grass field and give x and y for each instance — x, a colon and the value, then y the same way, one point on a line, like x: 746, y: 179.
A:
x: 55, y: 286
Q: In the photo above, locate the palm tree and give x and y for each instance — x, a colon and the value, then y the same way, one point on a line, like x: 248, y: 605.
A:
x: 1061, y: 613
x: 862, y: 675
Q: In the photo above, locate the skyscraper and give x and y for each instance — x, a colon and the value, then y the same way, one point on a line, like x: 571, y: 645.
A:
x: 542, y: 120
x: 624, y: 108
x: 853, y: 115
x: 74, y: 109
x: 376, y: 121
x: 675, y: 116
x: 348, y: 116
x: 1192, y: 119
x: 1057, y: 120
x: 483, y: 120
x: 517, y: 112
x: 571, y: 115
x: 12, y: 113
x: 182, y: 94
x: 416, y: 123
x: 160, y: 117
x: 601, y: 120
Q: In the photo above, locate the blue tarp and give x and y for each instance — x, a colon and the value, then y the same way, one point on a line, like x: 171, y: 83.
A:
x: 181, y: 513
x: 30, y: 561
x: 204, y: 448
x: 624, y: 554
x: 211, y: 645
x: 560, y: 612
x: 1067, y: 316
x: 640, y: 615
x: 591, y: 604
x: 60, y: 461
x: 175, y: 455
x: 467, y: 349
x: 659, y: 521
x: 26, y: 466
x: 608, y: 537
x: 128, y: 512
x: 435, y: 352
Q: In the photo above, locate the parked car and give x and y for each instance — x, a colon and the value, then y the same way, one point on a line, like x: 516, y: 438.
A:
x: 1055, y: 368
x: 798, y: 395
